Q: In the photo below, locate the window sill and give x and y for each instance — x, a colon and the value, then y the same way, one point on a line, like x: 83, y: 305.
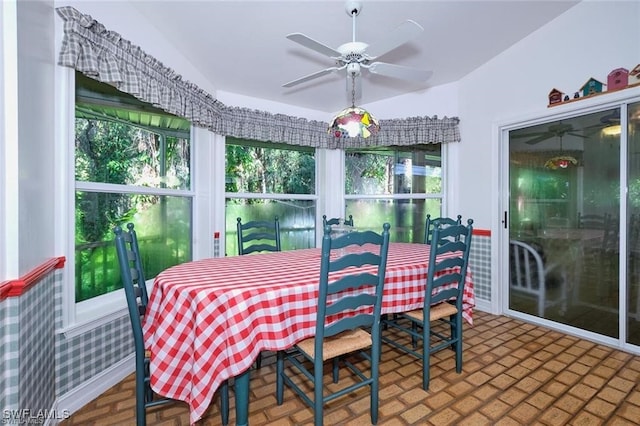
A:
x: 85, y: 325
x: 98, y: 311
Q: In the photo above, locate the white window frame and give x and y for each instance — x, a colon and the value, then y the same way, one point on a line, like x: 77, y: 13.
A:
x: 265, y: 196
x: 80, y: 317
x: 411, y: 196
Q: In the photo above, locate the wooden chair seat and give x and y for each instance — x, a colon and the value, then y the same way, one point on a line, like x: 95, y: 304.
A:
x: 340, y: 344
x: 441, y: 310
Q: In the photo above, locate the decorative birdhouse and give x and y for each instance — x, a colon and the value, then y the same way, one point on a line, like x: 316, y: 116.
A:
x: 618, y: 79
x: 555, y: 96
x: 634, y: 76
x: 591, y: 86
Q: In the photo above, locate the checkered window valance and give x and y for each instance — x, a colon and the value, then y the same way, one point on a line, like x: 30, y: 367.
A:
x: 104, y: 55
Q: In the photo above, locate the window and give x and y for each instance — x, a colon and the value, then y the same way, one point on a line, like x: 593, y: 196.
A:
x: 264, y: 180
x: 399, y: 185
x: 132, y: 164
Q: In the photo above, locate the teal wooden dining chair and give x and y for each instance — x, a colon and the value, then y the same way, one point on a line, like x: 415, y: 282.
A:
x: 448, y: 260
x: 445, y: 221
x: 135, y: 290
x: 591, y: 221
x: 258, y: 236
x: 347, y: 322
x: 336, y: 221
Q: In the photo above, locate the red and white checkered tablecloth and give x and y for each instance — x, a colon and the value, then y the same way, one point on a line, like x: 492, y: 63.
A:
x: 209, y: 319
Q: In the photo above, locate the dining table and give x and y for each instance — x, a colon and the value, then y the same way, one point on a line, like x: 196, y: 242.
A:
x: 208, y: 320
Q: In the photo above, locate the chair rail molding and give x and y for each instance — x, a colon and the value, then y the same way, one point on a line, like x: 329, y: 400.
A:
x: 18, y: 287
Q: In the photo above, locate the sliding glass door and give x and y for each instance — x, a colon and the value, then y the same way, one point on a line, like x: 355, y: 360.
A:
x: 633, y: 227
x: 574, y: 252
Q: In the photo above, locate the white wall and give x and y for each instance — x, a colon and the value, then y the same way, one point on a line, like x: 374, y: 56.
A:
x: 8, y: 141
x: 439, y: 100
x: 35, y: 106
x: 235, y: 100
x: 589, y: 40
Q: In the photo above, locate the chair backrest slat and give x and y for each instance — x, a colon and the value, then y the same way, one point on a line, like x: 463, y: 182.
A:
x: 336, y: 221
x: 449, y: 248
x: 352, y: 272
x: 444, y: 221
x: 591, y: 221
x: 258, y: 236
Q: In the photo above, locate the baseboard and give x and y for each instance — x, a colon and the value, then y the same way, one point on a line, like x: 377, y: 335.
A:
x: 86, y: 392
x: 484, y: 306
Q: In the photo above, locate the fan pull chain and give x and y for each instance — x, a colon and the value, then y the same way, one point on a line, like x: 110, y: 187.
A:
x: 353, y: 90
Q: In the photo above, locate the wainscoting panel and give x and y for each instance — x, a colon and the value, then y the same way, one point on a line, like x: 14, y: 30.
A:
x: 480, y: 264
x: 36, y: 337
x: 9, y: 353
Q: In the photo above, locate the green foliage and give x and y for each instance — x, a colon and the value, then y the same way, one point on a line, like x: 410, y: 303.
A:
x: 116, y: 153
x: 634, y: 193
x: 104, y: 152
x: 365, y: 166
x: 259, y: 169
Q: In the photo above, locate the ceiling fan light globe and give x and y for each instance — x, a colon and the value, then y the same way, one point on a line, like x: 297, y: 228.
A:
x: 353, y: 69
x: 613, y: 130
x: 353, y: 122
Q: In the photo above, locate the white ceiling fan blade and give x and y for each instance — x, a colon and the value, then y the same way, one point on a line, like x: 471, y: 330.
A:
x: 402, y: 34
x: 399, y: 71
x: 577, y: 135
x: 538, y: 139
x: 528, y: 135
x: 314, y: 45
x: 311, y: 76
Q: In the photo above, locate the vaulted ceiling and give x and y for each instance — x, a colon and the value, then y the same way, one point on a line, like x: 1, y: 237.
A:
x: 241, y: 46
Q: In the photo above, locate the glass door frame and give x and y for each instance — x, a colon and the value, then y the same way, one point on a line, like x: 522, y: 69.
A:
x: 501, y: 224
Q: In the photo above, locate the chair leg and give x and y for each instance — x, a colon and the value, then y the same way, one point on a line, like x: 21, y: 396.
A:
x: 458, y: 343
x: 336, y: 370
x: 318, y: 400
x: 375, y: 384
x: 414, y: 328
x: 141, y: 414
x: 279, y: 378
x: 259, y: 361
x: 426, y: 353
x: 454, y: 333
x: 384, y: 319
x: 224, y: 402
x: 144, y: 393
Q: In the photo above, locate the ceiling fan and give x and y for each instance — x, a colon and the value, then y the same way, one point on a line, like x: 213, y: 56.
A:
x: 558, y: 130
x: 607, y: 121
x: 356, y: 55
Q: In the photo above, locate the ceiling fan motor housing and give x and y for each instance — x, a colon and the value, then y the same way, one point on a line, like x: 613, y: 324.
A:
x: 353, y: 8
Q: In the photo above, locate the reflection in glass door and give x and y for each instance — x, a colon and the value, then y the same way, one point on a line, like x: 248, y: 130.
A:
x: 564, y: 221
x: 633, y: 228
